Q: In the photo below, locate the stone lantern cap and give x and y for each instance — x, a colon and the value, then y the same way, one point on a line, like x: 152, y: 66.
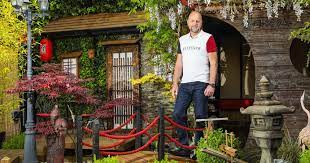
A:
x: 264, y: 105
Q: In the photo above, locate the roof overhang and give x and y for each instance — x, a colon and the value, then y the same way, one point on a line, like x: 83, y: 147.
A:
x: 95, y: 23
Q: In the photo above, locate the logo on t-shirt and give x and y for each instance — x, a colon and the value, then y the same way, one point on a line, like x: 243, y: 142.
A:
x: 190, y: 48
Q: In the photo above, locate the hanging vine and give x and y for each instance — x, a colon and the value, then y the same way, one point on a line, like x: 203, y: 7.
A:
x: 165, y: 19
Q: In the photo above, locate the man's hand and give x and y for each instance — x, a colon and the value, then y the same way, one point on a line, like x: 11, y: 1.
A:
x: 174, y: 90
x: 209, y: 91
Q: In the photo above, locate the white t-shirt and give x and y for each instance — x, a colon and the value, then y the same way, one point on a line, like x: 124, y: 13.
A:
x: 195, y: 57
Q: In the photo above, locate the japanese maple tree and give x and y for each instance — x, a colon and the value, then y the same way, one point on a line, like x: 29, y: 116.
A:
x: 54, y: 83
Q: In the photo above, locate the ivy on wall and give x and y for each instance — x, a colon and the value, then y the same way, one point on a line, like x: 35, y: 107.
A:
x: 89, y: 68
x: 95, y: 68
x: 60, y: 8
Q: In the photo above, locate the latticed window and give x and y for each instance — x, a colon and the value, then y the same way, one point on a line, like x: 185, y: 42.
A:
x: 70, y: 62
x: 70, y: 65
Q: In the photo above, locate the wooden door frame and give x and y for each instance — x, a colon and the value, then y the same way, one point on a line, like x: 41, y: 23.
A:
x: 136, y: 67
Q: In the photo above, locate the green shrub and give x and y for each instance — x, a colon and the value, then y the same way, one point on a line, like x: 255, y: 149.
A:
x: 15, y: 142
x: 289, y: 150
x: 214, y: 140
x: 305, y: 156
x: 108, y: 159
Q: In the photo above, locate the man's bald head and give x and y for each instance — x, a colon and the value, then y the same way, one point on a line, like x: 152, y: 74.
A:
x: 194, y: 22
x: 195, y: 14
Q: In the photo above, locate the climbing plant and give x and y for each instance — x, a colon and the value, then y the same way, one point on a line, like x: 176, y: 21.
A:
x: 165, y: 18
x: 302, y: 33
x: 94, y: 69
x: 11, y: 31
x: 60, y: 8
x: 160, y: 31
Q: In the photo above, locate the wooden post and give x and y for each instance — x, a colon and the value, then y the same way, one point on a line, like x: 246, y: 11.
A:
x: 5, y: 160
x: 161, y: 130
x: 231, y: 139
x: 138, y: 124
x: 226, y: 138
x: 222, y: 155
x: 95, y: 127
x: 79, y: 138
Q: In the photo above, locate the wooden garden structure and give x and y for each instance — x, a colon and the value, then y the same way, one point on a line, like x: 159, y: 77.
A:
x: 261, y: 48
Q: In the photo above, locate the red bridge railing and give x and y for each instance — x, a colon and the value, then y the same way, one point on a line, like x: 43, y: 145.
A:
x: 158, y: 121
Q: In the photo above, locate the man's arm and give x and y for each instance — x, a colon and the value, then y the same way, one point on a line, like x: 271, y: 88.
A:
x: 213, y: 67
x: 212, y: 54
x: 177, y: 75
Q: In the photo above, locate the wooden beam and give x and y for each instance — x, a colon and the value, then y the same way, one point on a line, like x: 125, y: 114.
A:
x: 222, y: 155
x: 5, y: 160
x: 212, y: 119
x: 118, y: 42
x: 74, y: 54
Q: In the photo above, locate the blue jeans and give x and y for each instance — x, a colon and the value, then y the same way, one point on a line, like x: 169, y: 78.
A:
x: 187, y: 93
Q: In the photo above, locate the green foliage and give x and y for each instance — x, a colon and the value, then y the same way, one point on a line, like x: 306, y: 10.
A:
x: 108, y: 159
x: 160, y: 40
x: 302, y: 33
x: 94, y: 69
x: 11, y: 31
x: 60, y: 8
x: 87, y: 70
x: 36, y: 28
x: 100, y: 72
x: 157, y: 43
x: 214, y: 139
x: 165, y: 160
x: 305, y: 156
x: 15, y: 142
x: 289, y: 149
x: 73, y: 44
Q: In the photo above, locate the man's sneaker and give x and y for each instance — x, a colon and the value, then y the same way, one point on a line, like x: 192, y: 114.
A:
x: 181, y: 152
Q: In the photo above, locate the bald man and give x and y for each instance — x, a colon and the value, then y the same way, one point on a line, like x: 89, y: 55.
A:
x: 196, y: 66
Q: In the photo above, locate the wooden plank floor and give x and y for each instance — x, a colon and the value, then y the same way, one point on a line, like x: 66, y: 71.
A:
x: 15, y: 155
x: 140, y: 157
x: 149, y: 156
x: 70, y: 142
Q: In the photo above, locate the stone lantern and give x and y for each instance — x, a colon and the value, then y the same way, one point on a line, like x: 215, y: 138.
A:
x: 267, y: 121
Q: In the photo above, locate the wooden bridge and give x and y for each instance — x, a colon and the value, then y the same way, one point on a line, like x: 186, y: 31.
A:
x: 139, y: 157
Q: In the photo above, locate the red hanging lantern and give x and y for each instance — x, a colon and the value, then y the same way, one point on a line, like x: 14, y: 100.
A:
x: 46, y: 50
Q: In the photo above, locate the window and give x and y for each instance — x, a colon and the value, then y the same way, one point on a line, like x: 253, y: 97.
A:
x: 70, y: 65
x: 70, y: 62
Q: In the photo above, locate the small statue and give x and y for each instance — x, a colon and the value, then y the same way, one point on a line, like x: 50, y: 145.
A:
x: 56, y: 141
x: 304, y: 135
